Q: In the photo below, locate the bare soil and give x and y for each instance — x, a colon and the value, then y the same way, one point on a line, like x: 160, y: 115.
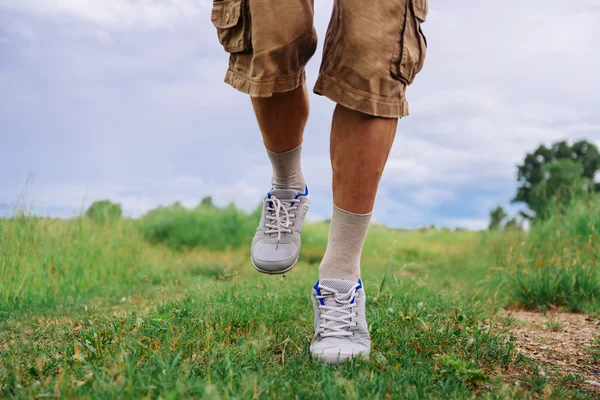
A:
x: 562, y: 342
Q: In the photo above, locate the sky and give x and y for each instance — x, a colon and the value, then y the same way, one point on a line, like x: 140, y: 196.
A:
x: 125, y: 100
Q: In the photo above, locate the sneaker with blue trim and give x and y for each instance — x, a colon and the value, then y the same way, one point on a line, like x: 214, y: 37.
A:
x: 276, y: 245
x: 341, y: 330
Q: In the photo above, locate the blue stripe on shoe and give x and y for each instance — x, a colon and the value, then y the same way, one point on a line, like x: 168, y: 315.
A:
x: 301, y: 195
x: 360, y: 285
x: 316, y: 287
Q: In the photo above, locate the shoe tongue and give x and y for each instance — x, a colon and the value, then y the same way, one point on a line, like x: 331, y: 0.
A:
x: 341, y: 285
x: 284, y: 194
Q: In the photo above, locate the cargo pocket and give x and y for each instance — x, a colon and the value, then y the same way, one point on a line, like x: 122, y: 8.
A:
x: 409, y: 55
x: 230, y: 17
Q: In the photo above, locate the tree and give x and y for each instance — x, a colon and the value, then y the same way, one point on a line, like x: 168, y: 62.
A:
x: 497, y: 216
x: 547, y: 172
x: 512, y: 224
x: 207, y: 202
x: 104, y: 210
x: 563, y: 182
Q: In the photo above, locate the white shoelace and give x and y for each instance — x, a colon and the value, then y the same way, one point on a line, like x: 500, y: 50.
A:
x: 278, y: 217
x: 335, y: 320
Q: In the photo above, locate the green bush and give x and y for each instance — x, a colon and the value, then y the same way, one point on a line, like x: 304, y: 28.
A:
x: 204, y: 226
x: 558, y: 264
x: 104, y: 210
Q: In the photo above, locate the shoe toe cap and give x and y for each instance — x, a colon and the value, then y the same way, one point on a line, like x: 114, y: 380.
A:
x: 274, y: 252
x: 275, y: 265
x: 273, y: 257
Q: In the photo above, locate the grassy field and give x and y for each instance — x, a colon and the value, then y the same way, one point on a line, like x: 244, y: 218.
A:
x: 156, y: 308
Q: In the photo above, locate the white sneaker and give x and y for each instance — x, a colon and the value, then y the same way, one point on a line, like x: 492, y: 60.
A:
x: 341, y: 330
x: 276, y: 245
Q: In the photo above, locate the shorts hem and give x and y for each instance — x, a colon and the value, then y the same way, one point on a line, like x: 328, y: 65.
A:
x: 359, y: 100
x: 264, y: 87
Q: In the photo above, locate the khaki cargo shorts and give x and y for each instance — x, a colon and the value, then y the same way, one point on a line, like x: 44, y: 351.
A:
x: 372, y: 51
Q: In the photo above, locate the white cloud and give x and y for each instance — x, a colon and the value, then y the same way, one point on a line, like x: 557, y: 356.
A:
x: 431, y: 196
x: 461, y: 137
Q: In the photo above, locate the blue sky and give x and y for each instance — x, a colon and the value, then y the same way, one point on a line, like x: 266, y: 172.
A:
x: 124, y: 99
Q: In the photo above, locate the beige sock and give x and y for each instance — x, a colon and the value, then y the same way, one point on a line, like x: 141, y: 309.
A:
x: 287, y: 169
x: 347, y: 235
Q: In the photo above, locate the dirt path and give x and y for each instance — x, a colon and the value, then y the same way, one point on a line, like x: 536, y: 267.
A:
x: 565, y: 342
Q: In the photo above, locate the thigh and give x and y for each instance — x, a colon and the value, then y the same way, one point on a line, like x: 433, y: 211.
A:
x: 270, y: 42
x: 278, y: 23
x: 372, y: 52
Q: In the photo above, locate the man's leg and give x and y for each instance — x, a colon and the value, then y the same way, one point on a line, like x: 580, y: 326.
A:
x: 368, y: 82
x: 281, y: 119
x: 270, y: 43
x: 360, y: 145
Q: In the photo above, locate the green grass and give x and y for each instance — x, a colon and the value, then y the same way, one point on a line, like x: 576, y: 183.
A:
x: 557, y: 264
x: 555, y: 326
x: 157, y: 308
x: 46, y: 264
x: 577, y: 289
x: 191, y: 347
x: 594, y: 351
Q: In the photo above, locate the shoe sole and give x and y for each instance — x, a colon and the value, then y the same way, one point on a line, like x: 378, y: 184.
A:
x: 339, y: 359
x: 264, y: 271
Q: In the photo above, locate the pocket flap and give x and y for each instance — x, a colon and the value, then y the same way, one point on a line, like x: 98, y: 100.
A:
x: 226, y: 14
x: 420, y: 8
